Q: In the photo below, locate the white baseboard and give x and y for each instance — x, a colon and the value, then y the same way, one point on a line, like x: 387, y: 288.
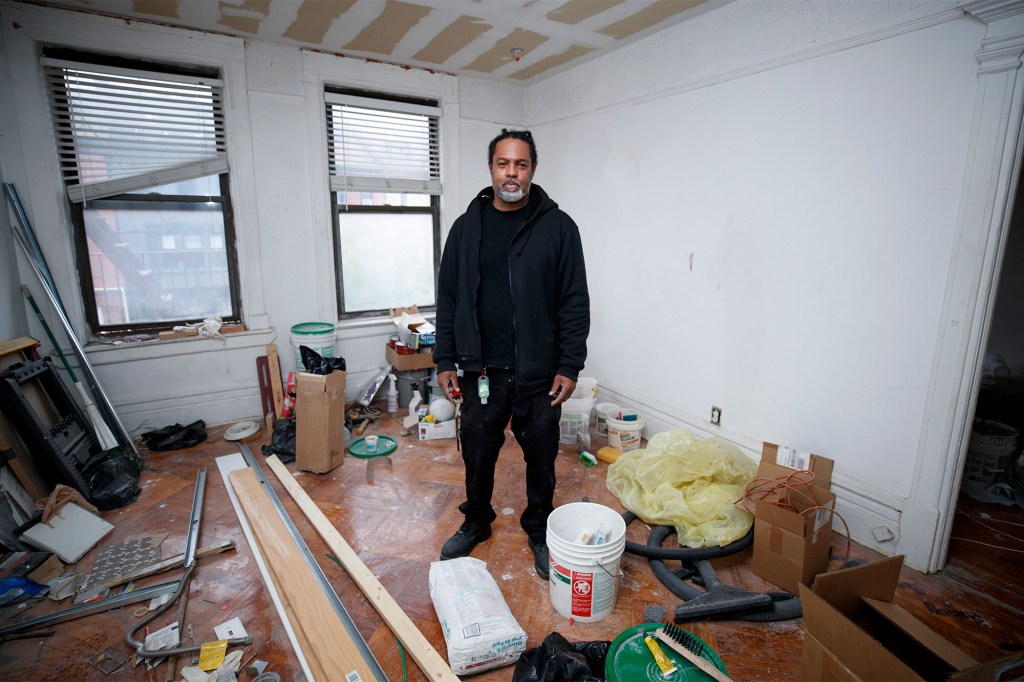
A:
x: 874, y: 517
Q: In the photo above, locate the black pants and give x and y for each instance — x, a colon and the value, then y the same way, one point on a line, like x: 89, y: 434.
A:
x: 482, y: 432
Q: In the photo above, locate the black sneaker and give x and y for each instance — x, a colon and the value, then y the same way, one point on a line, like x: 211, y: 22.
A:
x: 469, y: 535
x: 540, y: 558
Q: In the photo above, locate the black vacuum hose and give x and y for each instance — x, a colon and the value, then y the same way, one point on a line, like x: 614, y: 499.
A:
x: 785, y: 606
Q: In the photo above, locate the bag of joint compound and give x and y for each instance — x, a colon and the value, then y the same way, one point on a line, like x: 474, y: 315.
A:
x: 478, y: 627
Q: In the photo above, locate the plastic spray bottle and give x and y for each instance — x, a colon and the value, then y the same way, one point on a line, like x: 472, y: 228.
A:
x: 393, y: 394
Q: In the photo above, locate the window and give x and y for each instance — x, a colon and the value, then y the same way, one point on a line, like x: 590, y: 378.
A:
x: 142, y: 151
x: 384, y: 157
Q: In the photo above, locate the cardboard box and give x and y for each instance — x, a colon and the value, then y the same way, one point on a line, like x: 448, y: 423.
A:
x: 853, y: 631
x: 404, y: 363
x: 436, y: 430
x: 319, y: 421
x: 413, y: 329
x: 791, y: 542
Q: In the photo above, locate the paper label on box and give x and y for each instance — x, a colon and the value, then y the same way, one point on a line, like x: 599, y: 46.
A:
x: 792, y: 458
x: 821, y: 517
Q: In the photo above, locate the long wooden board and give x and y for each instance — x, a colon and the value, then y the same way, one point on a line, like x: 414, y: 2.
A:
x: 329, y: 650
x: 275, y: 379
x: 429, y: 661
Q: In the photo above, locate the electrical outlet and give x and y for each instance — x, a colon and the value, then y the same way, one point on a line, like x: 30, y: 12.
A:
x: 716, y: 415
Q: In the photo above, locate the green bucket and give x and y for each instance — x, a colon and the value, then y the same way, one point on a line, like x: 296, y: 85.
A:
x: 319, y: 336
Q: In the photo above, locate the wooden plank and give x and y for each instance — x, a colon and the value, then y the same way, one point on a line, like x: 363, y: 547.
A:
x: 17, y: 345
x: 178, y: 334
x: 22, y: 465
x: 429, y: 661
x: 275, y: 378
x: 329, y: 650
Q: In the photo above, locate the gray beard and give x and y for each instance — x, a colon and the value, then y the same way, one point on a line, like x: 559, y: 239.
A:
x: 512, y: 197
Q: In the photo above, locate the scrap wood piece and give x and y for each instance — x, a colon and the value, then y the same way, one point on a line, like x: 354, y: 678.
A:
x: 275, y: 379
x: 330, y: 651
x: 429, y: 661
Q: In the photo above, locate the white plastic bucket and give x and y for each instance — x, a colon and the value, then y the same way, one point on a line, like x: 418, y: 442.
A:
x: 601, y: 413
x: 318, y: 336
x: 586, y: 387
x: 989, y: 451
x: 625, y: 434
x: 575, y: 419
x: 584, y: 579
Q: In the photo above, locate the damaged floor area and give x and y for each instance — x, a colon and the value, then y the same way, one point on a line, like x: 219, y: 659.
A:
x: 397, y: 511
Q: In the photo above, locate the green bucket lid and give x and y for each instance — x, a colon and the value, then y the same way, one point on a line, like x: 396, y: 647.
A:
x: 629, y: 659
x: 313, y: 328
x: 385, y: 446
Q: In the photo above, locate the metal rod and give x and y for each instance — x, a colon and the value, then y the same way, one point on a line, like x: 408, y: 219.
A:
x: 332, y: 596
x: 192, y: 540
x: 124, y: 599
x: 25, y: 238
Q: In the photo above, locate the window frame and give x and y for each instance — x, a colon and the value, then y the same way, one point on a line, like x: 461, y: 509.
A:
x: 85, y: 274
x: 154, y: 69
x: 434, y: 209
x: 338, y: 208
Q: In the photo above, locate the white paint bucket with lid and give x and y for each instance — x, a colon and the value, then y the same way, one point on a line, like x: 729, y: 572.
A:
x: 625, y: 431
x: 584, y: 578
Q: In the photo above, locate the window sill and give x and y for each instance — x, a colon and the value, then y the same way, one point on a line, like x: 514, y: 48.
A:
x: 107, y: 353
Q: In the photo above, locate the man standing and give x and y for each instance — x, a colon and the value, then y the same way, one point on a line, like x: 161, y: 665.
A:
x: 513, y: 313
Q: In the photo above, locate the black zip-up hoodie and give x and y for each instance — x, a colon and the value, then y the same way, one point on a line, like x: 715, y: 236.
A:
x: 551, y: 314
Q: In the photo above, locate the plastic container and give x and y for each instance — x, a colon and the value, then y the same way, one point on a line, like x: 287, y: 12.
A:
x: 319, y: 336
x: 600, y: 416
x: 406, y: 380
x: 584, y: 579
x: 625, y: 433
x: 575, y: 419
x: 989, y: 451
x: 586, y: 387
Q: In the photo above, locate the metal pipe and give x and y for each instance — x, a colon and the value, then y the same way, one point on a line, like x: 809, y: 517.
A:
x: 25, y: 238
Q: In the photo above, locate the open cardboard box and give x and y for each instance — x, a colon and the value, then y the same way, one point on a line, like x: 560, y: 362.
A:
x: 413, y: 329
x: 791, y: 546
x: 853, y: 631
x: 319, y: 421
x: 404, y: 363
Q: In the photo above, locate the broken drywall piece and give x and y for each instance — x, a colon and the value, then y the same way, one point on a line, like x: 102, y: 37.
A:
x: 69, y: 534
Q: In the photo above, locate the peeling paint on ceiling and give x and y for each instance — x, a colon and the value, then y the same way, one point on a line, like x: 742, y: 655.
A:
x: 473, y: 37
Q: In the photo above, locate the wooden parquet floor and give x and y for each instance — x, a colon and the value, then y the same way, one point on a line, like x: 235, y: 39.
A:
x: 397, y: 511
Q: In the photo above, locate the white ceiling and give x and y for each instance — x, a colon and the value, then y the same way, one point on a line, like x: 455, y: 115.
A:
x: 468, y: 37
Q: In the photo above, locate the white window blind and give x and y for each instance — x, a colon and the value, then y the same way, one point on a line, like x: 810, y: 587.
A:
x: 123, y: 130
x: 382, y: 146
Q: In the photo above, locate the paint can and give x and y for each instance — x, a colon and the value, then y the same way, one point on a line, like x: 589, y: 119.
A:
x: 601, y: 413
x: 625, y: 431
x: 318, y: 336
x: 989, y: 451
x: 584, y: 579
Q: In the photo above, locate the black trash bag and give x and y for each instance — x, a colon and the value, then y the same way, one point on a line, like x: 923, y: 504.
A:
x: 558, y: 660
x: 176, y: 437
x: 317, y: 364
x: 282, y: 441
x: 114, y: 483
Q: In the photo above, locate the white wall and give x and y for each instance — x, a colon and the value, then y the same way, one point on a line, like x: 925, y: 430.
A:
x: 769, y: 197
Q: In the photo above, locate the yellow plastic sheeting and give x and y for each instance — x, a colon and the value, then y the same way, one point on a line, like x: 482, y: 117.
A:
x: 692, y: 484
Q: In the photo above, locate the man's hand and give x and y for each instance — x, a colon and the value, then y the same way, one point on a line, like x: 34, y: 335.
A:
x: 448, y: 381
x: 561, y: 389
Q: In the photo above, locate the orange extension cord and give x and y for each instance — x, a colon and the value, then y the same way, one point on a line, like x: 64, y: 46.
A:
x: 761, y: 489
